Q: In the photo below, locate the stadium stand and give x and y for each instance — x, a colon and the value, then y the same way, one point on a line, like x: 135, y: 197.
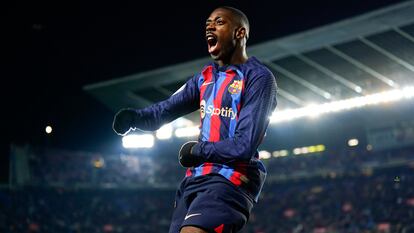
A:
x: 374, y: 195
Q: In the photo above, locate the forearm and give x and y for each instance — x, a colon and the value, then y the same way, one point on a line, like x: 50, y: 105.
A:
x: 184, y: 101
x: 155, y: 116
x: 225, y: 151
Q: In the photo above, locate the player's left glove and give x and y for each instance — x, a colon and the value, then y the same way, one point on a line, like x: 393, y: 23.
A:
x: 187, y: 157
x: 125, y: 120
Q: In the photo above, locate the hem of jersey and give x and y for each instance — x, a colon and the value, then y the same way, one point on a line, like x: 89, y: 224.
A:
x: 244, y: 191
x: 194, y: 225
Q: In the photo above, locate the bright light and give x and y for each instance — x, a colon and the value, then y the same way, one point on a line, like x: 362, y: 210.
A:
x: 320, y: 148
x: 280, y: 153
x: 187, y: 132
x: 353, y: 142
x: 336, y: 106
x: 312, y: 113
x: 284, y: 153
x: 165, y: 132
x: 182, y: 122
x: 358, y: 89
x: 391, y: 83
x: 408, y: 92
x: 138, y: 141
x: 264, y: 154
x: 312, y: 149
x: 304, y: 150
x: 327, y: 95
x: 48, y: 129
x: 297, y: 151
x: 98, y: 162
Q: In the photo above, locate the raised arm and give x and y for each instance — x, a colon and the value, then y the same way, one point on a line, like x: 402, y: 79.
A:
x: 182, y: 102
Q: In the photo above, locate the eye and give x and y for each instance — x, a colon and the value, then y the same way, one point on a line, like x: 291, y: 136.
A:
x: 220, y: 22
x: 208, y: 24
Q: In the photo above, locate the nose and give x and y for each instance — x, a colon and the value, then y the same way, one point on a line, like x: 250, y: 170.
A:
x: 210, y: 27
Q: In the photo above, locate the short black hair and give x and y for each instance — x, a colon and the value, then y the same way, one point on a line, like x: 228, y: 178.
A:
x: 240, y: 15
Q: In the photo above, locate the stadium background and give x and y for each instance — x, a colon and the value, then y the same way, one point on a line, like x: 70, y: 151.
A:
x: 71, y: 66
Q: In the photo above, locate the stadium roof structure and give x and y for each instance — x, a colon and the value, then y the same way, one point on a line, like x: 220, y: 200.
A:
x: 367, y: 54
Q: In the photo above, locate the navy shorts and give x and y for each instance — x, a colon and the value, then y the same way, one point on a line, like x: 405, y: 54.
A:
x: 211, y: 203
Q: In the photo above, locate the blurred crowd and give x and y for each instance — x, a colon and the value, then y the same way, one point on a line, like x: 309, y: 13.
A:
x: 362, y: 192
x: 381, y: 201
x: 349, y: 160
x: 68, y: 168
x: 58, y: 210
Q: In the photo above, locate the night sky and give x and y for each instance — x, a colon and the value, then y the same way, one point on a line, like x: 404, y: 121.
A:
x: 52, y: 49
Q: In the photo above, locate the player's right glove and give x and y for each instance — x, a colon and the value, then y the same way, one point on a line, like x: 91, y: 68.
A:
x: 125, y: 120
x: 187, y: 157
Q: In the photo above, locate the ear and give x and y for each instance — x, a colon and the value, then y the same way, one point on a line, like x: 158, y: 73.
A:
x: 241, y: 33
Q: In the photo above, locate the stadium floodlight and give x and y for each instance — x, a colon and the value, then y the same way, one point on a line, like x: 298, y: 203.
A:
x: 408, y: 92
x: 327, y: 95
x: 165, y: 132
x: 304, y: 150
x: 341, y: 105
x: 391, y: 83
x: 320, y: 148
x: 187, y: 132
x: 48, y: 129
x: 263, y: 154
x: 353, y: 142
x: 284, y: 153
x: 280, y: 153
x: 297, y: 151
x: 138, y: 141
x: 312, y: 149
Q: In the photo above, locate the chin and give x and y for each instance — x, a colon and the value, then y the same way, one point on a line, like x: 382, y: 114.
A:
x: 215, y: 57
x: 220, y: 55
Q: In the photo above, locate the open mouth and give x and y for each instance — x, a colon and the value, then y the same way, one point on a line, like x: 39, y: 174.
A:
x: 212, y: 43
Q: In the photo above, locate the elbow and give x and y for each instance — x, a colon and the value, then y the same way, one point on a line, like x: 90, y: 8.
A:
x: 245, y: 150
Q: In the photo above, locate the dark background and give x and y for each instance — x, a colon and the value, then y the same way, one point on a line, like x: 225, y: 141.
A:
x: 52, y: 49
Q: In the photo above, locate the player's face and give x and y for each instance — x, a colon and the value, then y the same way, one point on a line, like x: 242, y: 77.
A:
x: 220, y: 34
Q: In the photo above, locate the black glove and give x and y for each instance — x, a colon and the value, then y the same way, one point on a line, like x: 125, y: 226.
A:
x: 187, y: 157
x: 124, y: 121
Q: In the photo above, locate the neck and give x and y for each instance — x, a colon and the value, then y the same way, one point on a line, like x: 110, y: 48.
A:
x: 239, y: 56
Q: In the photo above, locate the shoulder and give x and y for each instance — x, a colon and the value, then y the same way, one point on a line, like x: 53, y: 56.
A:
x: 255, y: 70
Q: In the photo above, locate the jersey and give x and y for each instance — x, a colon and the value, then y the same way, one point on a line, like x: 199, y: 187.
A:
x: 235, y: 103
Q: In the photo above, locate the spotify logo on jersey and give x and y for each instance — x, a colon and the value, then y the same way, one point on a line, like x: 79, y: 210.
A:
x: 202, y: 109
x: 212, y: 111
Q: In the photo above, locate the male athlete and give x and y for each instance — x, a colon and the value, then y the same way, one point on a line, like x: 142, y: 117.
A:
x: 236, y: 95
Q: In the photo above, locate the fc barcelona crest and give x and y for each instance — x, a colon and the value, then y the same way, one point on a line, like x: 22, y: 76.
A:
x: 236, y: 87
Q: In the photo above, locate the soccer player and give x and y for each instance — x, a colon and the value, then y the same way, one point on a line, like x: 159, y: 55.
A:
x: 236, y: 94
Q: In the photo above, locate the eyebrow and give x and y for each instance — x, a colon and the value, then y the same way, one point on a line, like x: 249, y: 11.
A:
x: 209, y: 20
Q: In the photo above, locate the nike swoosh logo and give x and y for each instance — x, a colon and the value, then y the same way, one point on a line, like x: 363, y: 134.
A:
x: 191, y: 215
x: 205, y: 84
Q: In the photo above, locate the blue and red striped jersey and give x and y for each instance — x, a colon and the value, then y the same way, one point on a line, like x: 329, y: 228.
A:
x: 235, y: 103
